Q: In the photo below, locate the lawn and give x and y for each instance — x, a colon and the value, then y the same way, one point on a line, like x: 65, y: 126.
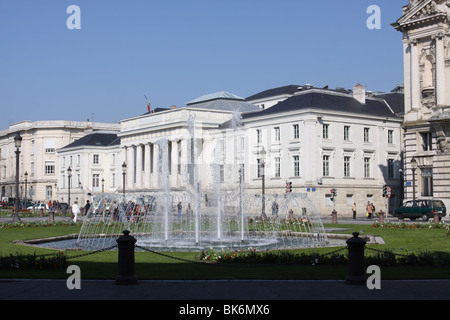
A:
x: 183, y: 265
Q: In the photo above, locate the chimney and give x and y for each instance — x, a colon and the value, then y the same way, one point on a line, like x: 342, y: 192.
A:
x: 359, y: 93
x: 173, y: 107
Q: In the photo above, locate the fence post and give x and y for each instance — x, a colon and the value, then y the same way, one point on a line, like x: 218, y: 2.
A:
x: 356, y: 274
x: 126, y: 274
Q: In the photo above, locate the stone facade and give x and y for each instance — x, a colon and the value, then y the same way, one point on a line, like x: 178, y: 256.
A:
x: 426, y: 45
x: 38, y: 156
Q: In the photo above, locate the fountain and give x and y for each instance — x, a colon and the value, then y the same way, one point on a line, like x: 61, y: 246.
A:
x: 211, y: 216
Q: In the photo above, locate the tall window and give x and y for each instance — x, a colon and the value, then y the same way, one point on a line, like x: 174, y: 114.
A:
x: 48, y: 193
x: 366, y: 167
x: 346, y: 166
x: 277, y: 133
x: 427, y: 143
x: 296, y: 166
x: 326, y: 166
x: 390, y: 136
x: 258, y: 136
x: 390, y: 168
x: 95, y: 180
x: 222, y: 173
x: 296, y: 131
x: 427, y: 182
x: 95, y: 159
x: 346, y: 133
x: 366, y: 135
x: 277, y: 167
x: 325, y: 133
x: 49, y: 167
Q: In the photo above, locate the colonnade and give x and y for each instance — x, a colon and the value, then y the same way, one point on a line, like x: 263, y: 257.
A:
x: 145, y: 161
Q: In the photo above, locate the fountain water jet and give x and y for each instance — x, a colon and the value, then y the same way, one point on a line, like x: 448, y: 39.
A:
x: 228, y: 219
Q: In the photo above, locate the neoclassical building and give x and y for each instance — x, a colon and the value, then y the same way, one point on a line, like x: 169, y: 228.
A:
x: 316, y: 138
x: 426, y: 48
x: 38, y: 155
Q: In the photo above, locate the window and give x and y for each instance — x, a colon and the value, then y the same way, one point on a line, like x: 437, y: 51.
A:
x: 113, y: 180
x: 325, y: 129
x: 346, y: 166
x: 277, y: 167
x: 366, y: 167
x: 349, y: 200
x: 390, y: 136
x: 296, y: 131
x: 258, y: 136
x: 95, y: 180
x: 390, y: 168
x: 427, y: 143
x: 326, y: 166
x: 346, y: 133
x: 48, y: 193
x: 49, y: 146
x: 95, y: 159
x: 427, y: 182
x: 49, y: 167
x: 222, y: 173
x: 277, y: 133
x: 296, y: 166
x: 366, y: 135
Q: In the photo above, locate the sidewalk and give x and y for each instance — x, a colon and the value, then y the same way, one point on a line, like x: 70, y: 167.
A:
x: 16, y: 289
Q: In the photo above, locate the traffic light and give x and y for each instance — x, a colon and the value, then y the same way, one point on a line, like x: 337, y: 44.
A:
x: 333, y: 193
x: 384, y: 191
x: 288, y: 187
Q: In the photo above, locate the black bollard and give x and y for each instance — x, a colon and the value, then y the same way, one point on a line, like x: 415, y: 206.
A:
x: 126, y: 274
x: 356, y: 274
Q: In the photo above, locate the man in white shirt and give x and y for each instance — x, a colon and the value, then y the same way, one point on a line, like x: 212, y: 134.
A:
x: 75, y: 211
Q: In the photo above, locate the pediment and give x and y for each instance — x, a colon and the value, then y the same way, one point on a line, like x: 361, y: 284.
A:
x: 422, y: 12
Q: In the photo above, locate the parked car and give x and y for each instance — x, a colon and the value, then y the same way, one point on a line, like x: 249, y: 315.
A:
x: 38, y: 206
x: 424, y: 209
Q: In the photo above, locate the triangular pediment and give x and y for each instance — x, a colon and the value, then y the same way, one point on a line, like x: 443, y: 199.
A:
x: 422, y: 12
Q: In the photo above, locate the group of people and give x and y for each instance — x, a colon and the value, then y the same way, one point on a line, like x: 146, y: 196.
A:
x: 370, y: 210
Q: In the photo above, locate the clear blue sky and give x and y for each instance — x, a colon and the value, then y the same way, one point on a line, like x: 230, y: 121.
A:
x: 174, y: 51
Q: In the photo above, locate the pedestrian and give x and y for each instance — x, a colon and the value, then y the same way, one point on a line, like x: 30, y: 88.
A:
x: 369, y: 209
x: 179, y: 209
x: 354, y: 210
x: 86, y: 207
x: 75, y: 211
x: 275, y: 208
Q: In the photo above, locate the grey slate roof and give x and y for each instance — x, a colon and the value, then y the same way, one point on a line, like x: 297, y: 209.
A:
x: 222, y: 101
x: 97, y: 139
x: 325, y: 100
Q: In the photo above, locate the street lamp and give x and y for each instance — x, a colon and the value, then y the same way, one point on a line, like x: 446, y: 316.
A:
x: 69, y: 175
x: 26, y: 179
x: 124, y: 172
x: 263, y: 163
x: 17, y: 144
x: 414, y: 168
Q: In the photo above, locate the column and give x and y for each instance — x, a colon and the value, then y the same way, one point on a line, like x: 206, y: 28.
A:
x: 415, y: 80
x: 174, y: 162
x: 155, y: 165
x: 138, y: 166
x: 130, y: 167
x: 147, y: 170
x: 440, y: 70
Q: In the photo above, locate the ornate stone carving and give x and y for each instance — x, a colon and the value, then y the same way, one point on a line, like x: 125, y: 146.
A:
x: 442, y: 142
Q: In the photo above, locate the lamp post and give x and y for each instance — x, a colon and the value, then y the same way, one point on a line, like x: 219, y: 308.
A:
x: 413, y: 168
x: 26, y: 180
x: 103, y: 185
x: 69, y: 176
x: 17, y: 144
x: 263, y: 163
x: 124, y: 172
